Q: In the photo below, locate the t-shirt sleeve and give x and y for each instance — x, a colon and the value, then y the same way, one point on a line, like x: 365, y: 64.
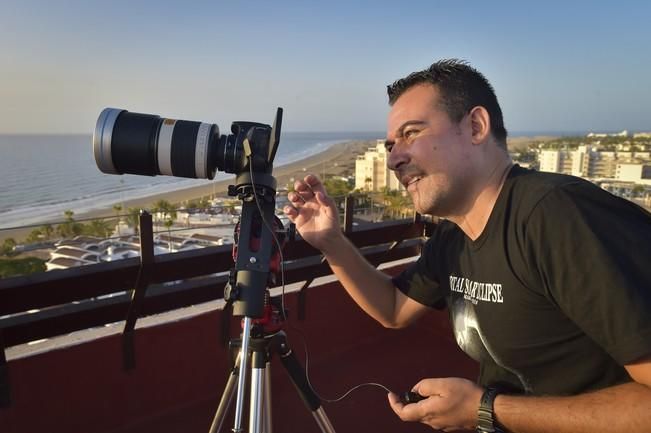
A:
x: 593, y: 254
x: 420, y: 280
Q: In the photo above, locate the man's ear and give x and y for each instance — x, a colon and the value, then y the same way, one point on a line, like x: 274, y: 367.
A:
x: 480, y: 121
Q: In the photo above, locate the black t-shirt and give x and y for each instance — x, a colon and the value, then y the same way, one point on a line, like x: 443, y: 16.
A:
x: 554, y: 297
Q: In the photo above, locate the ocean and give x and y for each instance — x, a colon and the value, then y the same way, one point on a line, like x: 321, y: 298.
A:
x: 42, y: 176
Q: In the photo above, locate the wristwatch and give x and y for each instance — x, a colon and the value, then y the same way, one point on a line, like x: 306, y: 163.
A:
x: 485, y: 416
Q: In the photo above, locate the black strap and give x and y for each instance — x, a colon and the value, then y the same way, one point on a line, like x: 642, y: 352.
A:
x: 140, y: 288
x: 485, y: 414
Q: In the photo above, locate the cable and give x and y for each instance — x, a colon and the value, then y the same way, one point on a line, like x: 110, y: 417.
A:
x: 275, y: 238
x: 282, y: 298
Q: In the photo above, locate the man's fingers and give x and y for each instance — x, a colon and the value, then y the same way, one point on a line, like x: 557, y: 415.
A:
x: 406, y: 412
x: 395, y: 403
x: 427, y: 387
x: 298, y: 199
x: 293, y: 197
x: 314, y: 183
x: 291, y: 212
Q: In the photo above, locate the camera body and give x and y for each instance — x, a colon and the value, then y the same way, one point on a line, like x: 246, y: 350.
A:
x: 146, y: 144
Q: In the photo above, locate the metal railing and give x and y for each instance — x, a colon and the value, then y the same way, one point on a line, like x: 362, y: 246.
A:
x: 59, y: 302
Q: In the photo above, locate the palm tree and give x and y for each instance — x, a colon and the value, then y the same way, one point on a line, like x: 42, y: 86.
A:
x: 118, y: 208
x: 7, y: 247
x: 69, y: 227
x: 47, y: 231
x: 34, y: 236
x: 168, y: 211
x: 204, y: 203
x: 100, y: 228
x: 133, y: 219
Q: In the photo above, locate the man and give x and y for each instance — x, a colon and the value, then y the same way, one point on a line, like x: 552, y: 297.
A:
x: 546, y: 276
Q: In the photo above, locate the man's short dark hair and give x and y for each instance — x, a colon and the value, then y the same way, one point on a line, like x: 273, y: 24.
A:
x: 462, y: 88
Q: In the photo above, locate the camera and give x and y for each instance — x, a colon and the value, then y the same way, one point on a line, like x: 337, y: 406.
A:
x: 146, y: 144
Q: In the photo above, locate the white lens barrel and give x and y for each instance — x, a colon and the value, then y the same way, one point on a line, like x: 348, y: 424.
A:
x: 165, y: 147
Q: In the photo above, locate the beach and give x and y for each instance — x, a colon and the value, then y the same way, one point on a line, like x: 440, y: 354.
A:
x: 337, y: 160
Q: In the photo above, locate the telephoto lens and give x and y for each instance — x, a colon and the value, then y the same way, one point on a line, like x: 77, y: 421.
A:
x: 147, y: 144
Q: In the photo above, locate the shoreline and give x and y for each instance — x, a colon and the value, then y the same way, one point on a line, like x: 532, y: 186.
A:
x: 337, y: 160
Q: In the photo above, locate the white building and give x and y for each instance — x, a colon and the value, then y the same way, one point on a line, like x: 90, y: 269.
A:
x: 584, y: 161
x: 550, y: 161
x: 623, y: 133
x: 371, y: 171
x: 634, y: 172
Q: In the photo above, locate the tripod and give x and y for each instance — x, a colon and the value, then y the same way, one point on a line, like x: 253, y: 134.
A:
x: 264, y: 345
x: 247, y: 291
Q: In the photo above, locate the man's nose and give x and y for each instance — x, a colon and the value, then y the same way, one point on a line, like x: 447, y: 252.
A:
x: 396, y: 158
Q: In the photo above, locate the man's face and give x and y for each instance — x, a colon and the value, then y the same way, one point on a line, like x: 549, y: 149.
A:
x: 429, y: 154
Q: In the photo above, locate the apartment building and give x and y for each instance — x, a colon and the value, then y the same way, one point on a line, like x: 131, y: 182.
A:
x: 371, y: 171
x: 586, y: 161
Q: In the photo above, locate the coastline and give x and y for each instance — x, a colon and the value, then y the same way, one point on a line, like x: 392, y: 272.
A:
x: 337, y: 160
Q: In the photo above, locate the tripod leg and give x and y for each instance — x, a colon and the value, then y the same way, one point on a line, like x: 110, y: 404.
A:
x: 227, y: 398
x: 267, y: 422
x: 258, y: 365
x: 241, y: 381
x: 299, y: 379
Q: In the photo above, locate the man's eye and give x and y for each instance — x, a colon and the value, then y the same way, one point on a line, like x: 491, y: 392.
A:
x: 410, y: 133
x: 388, y: 146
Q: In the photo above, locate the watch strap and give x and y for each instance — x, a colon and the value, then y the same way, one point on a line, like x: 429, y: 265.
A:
x: 485, y: 415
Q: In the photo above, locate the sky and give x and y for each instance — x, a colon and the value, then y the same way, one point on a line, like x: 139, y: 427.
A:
x: 555, y: 65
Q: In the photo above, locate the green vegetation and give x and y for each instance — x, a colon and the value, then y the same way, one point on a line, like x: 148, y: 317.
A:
x: 7, y: 247
x: 608, y: 143
x: 16, y: 267
x: 337, y: 187
x: 69, y: 228
x: 396, y: 205
x: 203, y: 203
x: 167, y: 212
x: 133, y: 219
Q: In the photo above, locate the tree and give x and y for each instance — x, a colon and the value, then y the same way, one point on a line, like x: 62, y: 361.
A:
x: 369, y: 183
x: 637, y: 190
x: 47, y: 231
x: 168, y: 212
x: 168, y: 223
x: 133, y: 219
x: 229, y: 206
x: 338, y: 189
x: 117, y: 208
x: 204, y: 203
x: 100, y: 228
x: 16, y: 267
x: 7, y: 248
x: 362, y: 201
x: 69, y: 227
x: 34, y: 236
x: 192, y: 204
x: 396, y: 205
